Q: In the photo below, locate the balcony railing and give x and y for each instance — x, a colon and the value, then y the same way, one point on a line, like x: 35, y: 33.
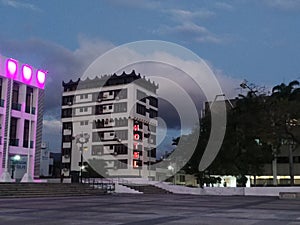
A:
x: 27, y: 109
x: 1, y: 102
x: 25, y: 144
x: 14, y: 142
x: 16, y: 106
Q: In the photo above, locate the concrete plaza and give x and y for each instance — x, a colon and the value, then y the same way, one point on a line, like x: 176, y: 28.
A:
x: 149, y: 210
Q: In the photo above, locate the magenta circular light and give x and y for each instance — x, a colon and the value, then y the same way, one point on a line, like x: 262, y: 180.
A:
x: 41, y: 76
x: 27, y: 72
x: 11, y: 67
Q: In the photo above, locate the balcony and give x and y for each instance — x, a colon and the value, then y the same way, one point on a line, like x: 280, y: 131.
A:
x: 27, y: 110
x: 14, y: 142
x: 67, y: 132
x: 16, y: 106
x: 1, y: 102
x: 25, y: 144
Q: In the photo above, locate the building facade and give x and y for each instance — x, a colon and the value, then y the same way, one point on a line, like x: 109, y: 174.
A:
x: 110, y: 123
x: 21, y: 114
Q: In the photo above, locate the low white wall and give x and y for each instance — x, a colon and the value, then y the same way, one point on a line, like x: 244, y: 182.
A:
x: 269, y: 191
x: 122, y: 189
x: 228, y: 191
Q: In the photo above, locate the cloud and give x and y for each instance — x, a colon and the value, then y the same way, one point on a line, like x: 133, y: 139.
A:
x: 192, y: 31
x: 187, y: 15
x: 17, y: 5
x: 64, y: 64
x: 60, y: 62
x: 286, y: 5
x: 140, y: 4
x: 223, y: 6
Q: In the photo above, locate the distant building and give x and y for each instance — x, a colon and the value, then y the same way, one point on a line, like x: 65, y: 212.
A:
x: 21, y: 114
x: 116, y: 117
x: 50, y: 163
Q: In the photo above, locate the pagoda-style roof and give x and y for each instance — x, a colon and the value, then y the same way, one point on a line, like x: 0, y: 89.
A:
x: 111, y: 80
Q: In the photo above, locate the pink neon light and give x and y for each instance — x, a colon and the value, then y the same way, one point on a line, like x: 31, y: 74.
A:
x: 11, y: 68
x: 41, y: 77
x: 27, y: 73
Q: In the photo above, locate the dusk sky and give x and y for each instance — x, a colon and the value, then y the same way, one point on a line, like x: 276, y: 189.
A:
x: 256, y: 40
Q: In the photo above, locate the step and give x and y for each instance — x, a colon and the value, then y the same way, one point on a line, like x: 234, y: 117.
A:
x: 42, y: 189
x: 147, y: 189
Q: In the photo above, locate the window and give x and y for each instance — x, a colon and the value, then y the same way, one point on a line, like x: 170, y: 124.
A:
x: 153, y: 101
x: 97, y: 149
x: 66, y: 113
x: 15, y: 94
x: 122, y: 134
x: 153, y: 113
x: 141, y: 96
x: 67, y: 125
x: 121, y: 94
x: 121, y: 164
x: 98, y: 124
x: 67, y: 100
x: 26, y: 134
x: 110, y: 107
x: 83, y: 96
x: 84, y: 123
x: 84, y: 109
x: 140, y: 109
x: 181, y: 178
x: 97, y: 136
x: 120, y: 107
x: 122, y: 122
x: 121, y: 149
x: 13, y: 128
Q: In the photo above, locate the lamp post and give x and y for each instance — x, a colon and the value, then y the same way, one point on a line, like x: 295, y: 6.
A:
x: 82, y: 139
x: 171, y: 168
x: 15, y: 159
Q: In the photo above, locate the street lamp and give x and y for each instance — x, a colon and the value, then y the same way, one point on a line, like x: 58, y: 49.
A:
x: 172, y: 169
x: 15, y: 160
x: 82, y: 139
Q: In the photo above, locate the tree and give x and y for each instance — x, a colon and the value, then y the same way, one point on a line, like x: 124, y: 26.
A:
x: 284, y: 107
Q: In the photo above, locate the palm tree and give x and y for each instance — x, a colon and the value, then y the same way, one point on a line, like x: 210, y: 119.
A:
x: 286, y: 91
x: 285, y: 94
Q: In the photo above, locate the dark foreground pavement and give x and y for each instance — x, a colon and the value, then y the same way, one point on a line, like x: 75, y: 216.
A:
x: 149, y: 210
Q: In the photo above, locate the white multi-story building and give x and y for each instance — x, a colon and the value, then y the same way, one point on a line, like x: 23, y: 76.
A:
x: 110, y: 122
x: 21, y: 114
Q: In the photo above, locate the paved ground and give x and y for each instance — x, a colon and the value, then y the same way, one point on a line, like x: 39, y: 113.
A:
x: 150, y: 210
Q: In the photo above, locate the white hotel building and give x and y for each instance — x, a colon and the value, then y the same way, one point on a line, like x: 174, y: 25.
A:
x: 116, y: 116
x: 21, y: 115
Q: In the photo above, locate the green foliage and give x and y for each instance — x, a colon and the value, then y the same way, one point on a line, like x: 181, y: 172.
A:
x: 254, y: 133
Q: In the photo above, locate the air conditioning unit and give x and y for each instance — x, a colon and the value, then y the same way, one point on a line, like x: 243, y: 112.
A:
x: 67, y: 156
x: 99, y: 100
x: 43, y: 145
x: 65, y: 169
x: 70, y: 103
x: 117, y: 98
